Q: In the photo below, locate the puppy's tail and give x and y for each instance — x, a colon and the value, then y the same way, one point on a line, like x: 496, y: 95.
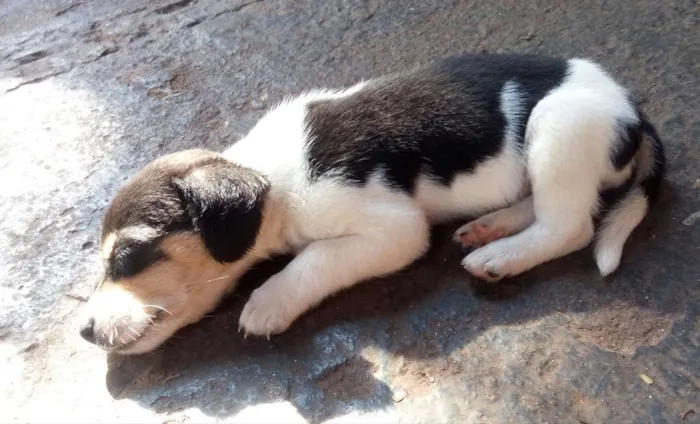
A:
x: 625, y: 207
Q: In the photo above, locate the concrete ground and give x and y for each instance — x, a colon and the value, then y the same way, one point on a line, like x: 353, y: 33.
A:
x: 92, y: 90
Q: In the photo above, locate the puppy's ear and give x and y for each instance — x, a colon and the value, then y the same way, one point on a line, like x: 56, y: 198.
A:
x: 225, y: 203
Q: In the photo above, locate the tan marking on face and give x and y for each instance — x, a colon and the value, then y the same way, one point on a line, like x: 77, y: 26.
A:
x: 187, y: 284
x: 187, y: 262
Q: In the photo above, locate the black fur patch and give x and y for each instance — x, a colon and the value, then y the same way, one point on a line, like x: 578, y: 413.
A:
x: 629, y: 139
x: 221, y: 201
x: 652, y: 183
x: 442, y: 119
x: 225, y: 203
x: 632, y: 137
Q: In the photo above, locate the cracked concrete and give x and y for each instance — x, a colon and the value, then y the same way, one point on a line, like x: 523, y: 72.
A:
x: 91, y: 91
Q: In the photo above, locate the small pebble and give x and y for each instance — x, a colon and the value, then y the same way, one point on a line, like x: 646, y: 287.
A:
x: 398, y: 396
x: 645, y: 378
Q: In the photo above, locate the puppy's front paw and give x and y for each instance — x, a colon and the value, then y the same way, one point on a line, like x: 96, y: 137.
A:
x: 268, y: 311
x: 486, y: 263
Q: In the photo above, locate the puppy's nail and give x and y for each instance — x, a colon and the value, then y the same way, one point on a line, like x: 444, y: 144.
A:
x: 268, y: 337
x: 492, y: 274
x: 245, y: 335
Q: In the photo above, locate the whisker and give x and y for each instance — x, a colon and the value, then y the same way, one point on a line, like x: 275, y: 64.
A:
x: 217, y: 279
x: 131, y: 337
x: 158, y: 307
x: 134, y: 331
x: 111, y: 336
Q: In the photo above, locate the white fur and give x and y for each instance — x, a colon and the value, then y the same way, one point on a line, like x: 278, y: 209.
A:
x: 343, y: 235
x: 569, y: 137
x: 512, y: 104
x: 616, y: 228
x: 495, y: 182
x: 357, y: 234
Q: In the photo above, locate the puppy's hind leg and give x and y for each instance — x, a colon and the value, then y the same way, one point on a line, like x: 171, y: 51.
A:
x: 569, y: 140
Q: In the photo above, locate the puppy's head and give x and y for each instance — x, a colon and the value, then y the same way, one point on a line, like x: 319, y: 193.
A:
x: 172, y: 240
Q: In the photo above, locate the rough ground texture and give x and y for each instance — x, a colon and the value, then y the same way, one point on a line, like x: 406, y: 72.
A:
x: 92, y: 90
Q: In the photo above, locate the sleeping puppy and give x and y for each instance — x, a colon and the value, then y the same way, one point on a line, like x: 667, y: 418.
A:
x: 351, y: 180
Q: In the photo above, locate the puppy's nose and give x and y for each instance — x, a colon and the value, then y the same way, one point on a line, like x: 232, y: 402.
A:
x: 87, y: 331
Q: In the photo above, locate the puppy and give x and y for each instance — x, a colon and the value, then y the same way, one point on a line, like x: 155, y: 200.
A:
x: 350, y: 181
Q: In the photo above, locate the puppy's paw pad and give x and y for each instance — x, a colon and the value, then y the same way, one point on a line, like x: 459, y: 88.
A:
x: 267, y: 312
x: 476, y: 234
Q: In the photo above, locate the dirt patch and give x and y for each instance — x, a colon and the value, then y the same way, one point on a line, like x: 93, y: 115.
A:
x: 171, y: 88
x: 420, y: 378
x: 621, y: 327
x: 348, y: 380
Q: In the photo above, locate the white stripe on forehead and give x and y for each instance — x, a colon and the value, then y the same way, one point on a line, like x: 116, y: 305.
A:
x: 135, y: 232
x: 138, y: 232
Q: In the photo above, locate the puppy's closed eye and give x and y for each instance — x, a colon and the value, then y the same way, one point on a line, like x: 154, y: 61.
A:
x: 133, y: 257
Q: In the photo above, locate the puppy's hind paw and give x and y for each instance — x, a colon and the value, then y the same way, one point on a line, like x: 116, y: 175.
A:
x: 476, y: 234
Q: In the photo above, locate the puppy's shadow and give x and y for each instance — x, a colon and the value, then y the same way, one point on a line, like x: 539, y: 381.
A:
x: 326, y: 363
x: 317, y: 365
